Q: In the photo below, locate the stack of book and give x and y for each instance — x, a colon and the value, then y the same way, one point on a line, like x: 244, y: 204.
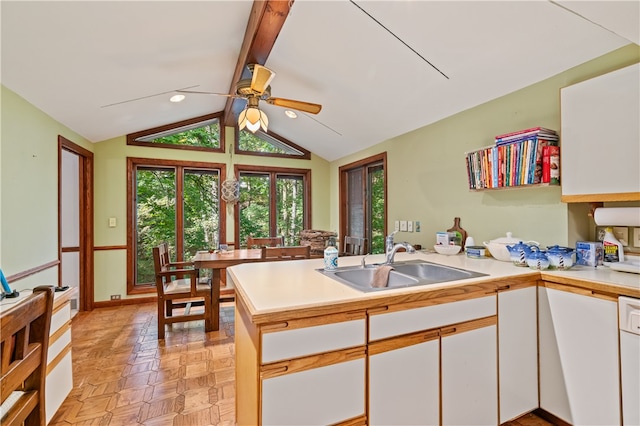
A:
x: 526, y: 157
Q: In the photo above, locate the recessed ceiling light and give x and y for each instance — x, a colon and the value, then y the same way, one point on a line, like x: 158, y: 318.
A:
x: 177, y: 98
x: 291, y: 114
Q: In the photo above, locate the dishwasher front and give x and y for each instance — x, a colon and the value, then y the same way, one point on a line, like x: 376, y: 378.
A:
x: 629, y: 312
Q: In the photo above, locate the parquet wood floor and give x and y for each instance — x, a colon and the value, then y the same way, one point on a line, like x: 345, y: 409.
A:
x: 122, y: 374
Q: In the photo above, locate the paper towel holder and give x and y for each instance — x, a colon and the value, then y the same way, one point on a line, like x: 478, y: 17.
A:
x: 594, y: 206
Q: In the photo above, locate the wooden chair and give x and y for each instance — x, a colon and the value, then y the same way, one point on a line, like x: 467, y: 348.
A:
x: 253, y: 242
x: 286, y: 253
x: 354, y: 246
x: 25, y: 341
x: 180, y: 287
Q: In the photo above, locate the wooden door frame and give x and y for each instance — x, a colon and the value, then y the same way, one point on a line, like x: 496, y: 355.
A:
x: 86, y: 235
x: 342, y: 189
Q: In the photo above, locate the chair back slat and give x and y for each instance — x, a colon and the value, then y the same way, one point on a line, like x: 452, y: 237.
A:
x: 354, y: 245
x: 24, y: 347
x: 255, y: 242
x: 286, y: 253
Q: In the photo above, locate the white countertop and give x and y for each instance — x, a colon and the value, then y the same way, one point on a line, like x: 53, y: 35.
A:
x: 276, y: 286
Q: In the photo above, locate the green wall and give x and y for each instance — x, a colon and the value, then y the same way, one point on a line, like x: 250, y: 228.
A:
x: 427, y: 178
x: 29, y: 189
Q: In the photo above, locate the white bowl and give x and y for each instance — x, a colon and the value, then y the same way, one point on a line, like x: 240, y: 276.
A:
x: 448, y: 250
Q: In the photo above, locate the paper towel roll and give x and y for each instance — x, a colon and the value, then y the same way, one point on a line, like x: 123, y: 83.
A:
x: 617, y: 216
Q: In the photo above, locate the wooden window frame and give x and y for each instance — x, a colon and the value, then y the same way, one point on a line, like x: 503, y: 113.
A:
x: 273, y: 172
x: 132, y: 164
x: 131, y: 138
x: 306, y: 155
x: 343, y: 174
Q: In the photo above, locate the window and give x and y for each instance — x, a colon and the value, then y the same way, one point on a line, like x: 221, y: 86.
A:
x: 363, y: 210
x: 273, y: 202
x: 268, y: 144
x: 200, y: 133
x: 173, y: 201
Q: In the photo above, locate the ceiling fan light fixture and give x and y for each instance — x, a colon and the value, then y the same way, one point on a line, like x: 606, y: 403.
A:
x: 253, y: 119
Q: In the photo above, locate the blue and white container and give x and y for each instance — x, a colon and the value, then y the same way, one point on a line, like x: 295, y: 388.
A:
x: 331, y: 256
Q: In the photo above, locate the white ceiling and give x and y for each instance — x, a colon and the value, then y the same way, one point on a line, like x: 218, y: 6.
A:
x: 72, y: 59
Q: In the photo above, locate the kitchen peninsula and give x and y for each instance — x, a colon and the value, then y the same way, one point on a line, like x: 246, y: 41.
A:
x: 310, y: 350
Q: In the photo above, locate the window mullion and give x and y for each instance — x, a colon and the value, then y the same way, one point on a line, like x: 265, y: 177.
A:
x: 179, y: 213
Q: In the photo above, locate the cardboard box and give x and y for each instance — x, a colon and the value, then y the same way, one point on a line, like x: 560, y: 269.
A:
x: 589, y: 253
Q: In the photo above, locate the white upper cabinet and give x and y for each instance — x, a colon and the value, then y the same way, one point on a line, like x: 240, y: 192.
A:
x: 600, y: 138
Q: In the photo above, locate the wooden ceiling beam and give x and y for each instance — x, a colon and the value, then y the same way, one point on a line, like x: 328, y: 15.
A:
x: 265, y: 22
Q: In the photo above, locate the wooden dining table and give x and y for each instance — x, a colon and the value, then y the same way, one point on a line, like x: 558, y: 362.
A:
x: 218, y: 262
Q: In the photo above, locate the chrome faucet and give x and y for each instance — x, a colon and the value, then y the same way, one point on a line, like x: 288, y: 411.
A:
x: 395, y: 249
x: 388, y: 242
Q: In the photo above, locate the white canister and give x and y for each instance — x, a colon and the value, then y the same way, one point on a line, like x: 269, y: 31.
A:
x: 331, y: 257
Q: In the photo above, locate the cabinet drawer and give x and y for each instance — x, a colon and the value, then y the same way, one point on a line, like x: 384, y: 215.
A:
x: 58, y: 345
x: 402, y: 322
x: 58, y: 386
x: 60, y: 317
x: 298, y: 338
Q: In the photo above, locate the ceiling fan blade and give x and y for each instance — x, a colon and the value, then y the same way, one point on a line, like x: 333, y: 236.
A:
x: 298, y: 105
x: 261, y: 79
x: 208, y: 93
x: 148, y: 96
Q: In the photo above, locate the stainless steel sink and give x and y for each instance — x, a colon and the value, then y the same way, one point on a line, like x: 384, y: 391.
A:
x: 404, y: 274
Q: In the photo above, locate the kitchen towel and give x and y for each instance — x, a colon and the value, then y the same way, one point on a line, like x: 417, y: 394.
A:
x: 617, y: 216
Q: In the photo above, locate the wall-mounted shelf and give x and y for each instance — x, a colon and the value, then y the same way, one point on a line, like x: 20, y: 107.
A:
x: 526, y: 158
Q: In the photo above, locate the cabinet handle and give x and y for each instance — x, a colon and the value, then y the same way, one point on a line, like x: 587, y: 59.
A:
x: 504, y: 287
x: 450, y: 330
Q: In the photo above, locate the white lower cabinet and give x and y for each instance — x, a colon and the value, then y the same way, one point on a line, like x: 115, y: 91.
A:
x: 322, y: 395
x: 517, y: 352
x: 404, y: 387
x: 446, y: 374
x: 579, y: 379
x: 470, y: 376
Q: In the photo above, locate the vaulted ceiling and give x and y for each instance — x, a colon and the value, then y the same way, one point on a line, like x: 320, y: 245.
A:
x: 379, y: 68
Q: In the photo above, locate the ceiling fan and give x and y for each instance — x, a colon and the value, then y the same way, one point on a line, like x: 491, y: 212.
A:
x: 255, y: 89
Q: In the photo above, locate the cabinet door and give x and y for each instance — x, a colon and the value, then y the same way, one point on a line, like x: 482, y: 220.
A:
x: 317, y: 396
x: 517, y: 352
x: 404, y: 380
x: 604, y: 108
x: 579, y: 357
x: 470, y: 374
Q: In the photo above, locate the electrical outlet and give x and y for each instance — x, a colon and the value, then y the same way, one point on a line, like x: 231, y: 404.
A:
x: 622, y: 234
x: 396, y: 225
x: 636, y: 237
x: 410, y: 226
x: 417, y: 227
x: 112, y: 222
x: 403, y: 226
x: 115, y: 297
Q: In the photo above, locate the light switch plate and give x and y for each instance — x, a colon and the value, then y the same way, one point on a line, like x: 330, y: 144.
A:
x: 410, y: 226
x: 636, y: 237
x: 403, y: 226
x: 396, y: 226
x: 622, y: 234
x: 112, y: 222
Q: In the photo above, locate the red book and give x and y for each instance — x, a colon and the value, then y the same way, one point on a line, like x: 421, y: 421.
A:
x: 546, y: 165
x: 554, y: 164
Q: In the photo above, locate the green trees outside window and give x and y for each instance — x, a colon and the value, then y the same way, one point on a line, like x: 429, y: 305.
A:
x: 176, y: 204
x: 273, y: 202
